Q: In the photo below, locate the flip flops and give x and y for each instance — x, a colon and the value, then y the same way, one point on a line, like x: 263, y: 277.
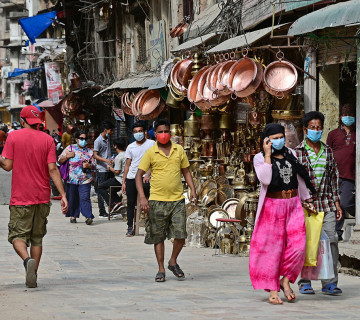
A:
x: 306, y: 288
x: 332, y: 289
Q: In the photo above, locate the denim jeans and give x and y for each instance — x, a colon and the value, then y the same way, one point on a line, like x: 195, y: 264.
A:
x: 78, y: 196
x: 103, y: 190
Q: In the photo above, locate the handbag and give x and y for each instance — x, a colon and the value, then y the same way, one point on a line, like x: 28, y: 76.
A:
x: 313, y: 224
x: 65, y: 168
x: 324, y: 268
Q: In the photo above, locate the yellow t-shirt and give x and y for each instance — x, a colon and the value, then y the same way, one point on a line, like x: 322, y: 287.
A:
x: 165, y: 184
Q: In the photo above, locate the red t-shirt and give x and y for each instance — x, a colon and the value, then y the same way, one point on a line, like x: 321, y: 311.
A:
x: 31, y: 151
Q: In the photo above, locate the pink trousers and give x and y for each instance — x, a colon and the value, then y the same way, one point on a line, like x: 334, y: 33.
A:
x: 278, y: 243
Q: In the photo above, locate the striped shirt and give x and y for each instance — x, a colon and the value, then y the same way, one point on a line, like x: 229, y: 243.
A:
x: 318, y: 162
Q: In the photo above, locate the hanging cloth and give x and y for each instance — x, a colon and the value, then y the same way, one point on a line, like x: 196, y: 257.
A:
x: 36, y: 25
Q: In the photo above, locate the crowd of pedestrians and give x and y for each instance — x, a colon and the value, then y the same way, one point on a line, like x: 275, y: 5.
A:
x: 323, y: 175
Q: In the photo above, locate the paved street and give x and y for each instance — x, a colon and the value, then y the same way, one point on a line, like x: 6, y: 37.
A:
x: 5, y: 187
x: 95, y: 272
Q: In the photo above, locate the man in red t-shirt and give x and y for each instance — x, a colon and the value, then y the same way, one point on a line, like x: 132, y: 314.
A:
x: 30, y: 154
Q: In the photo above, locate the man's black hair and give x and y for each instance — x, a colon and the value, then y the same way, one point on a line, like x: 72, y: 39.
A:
x: 120, y: 143
x: 79, y: 133
x: 313, y: 115
x: 138, y: 124
x: 161, y: 122
x: 33, y: 126
x: 106, y: 125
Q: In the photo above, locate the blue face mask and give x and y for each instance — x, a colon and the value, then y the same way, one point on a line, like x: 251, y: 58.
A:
x: 314, y: 135
x: 348, y: 120
x: 278, y: 144
x: 82, y: 143
x: 139, y: 136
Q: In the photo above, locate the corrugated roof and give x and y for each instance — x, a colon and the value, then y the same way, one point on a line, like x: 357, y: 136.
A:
x: 194, y: 42
x: 336, y: 15
x: 243, y: 40
x: 146, y: 80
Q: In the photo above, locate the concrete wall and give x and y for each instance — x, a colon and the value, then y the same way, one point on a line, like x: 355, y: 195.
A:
x: 329, y: 97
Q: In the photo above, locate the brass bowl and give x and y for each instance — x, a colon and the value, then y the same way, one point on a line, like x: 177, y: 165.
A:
x: 230, y: 206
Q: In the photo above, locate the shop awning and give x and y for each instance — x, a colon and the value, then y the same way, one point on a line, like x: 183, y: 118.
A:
x: 194, y: 42
x: 18, y: 72
x: 46, y: 104
x: 340, y: 14
x: 36, y: 25
x: 147, y: 80
x: 244, y: 40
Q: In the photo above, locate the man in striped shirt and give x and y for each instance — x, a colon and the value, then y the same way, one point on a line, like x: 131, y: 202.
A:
x: 319, y: 161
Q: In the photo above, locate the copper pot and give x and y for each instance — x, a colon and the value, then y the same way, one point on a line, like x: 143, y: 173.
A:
x: 184, y: 73
x: 280, y: 78
x: 153, y: 112
x: 173, y: 31
x: 192, y: 92
x: 174, y: 76
x: 135, y: 102
x: 148, y: 102
x: 213, y: 80
x: 208, y: 124
x: 124, y: 105
x: 181, y: 29
x: 208, y: 148
x: 192, y: 126
x: 245, y: 77
x: 223, y: 75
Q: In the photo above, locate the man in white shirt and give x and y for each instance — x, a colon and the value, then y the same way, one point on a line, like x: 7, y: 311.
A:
x: 134, y: 152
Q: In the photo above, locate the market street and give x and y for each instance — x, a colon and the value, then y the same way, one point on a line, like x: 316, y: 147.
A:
x: 95, y: 272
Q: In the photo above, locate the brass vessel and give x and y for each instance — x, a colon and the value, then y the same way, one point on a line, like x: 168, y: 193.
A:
x: 208, y: 124
x: 226, y: 121
x: 192, y: 126
x: 175, y: 130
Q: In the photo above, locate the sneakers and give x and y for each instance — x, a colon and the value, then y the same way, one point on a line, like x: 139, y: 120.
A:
x: 103, y: 216
x: 116, y: 206
x: 129, y: 232
x: 89, y: 221
x: 73, y: 220
x: 31, y: 277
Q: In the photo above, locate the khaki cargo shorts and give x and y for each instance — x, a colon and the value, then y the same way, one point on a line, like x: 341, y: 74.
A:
x: 28, y: 223
x: 165, y: 219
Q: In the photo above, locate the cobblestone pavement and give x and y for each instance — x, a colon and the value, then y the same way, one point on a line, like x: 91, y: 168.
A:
x: 95, y: 272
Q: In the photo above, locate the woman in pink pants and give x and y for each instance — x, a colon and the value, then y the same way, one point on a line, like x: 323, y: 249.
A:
x: 278, y: 243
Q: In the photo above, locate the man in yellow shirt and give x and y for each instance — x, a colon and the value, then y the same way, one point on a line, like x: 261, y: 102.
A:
x: 166, y: 205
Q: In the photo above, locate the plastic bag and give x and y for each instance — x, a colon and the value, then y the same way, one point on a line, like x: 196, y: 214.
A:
x: 313, y: 224
x: 324, y: 268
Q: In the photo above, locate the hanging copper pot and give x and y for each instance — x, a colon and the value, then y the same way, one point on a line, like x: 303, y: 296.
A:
x: 124, y: 106
x: 193, y: 94
x: 245, y: 76
x: 135, y: 103
x: 173, y: 31
x: 280, y: 78
x: 223, y: 76
x: 182, y: 28
x: 184, y: 73
x: 151, y: 111
x: 148, y: 102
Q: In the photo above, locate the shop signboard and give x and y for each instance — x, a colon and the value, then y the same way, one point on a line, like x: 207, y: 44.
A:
x: 53, y: 81
x: 119, y: 114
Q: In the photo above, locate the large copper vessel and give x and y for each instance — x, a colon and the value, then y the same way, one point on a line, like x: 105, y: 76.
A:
x: 280, y: 78
x: 245, y: 76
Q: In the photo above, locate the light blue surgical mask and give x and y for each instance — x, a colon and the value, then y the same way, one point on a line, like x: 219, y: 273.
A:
x: 314, y: 135
x: 278, y: 144
x: 139, y: 136
x: 82, y: 143
x: 348, y: 120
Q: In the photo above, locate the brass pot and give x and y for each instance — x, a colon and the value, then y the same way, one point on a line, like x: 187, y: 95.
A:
x: 172, y: 102
x: 226, y: 121
x: 175, y: 130
x: 192, y: 126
